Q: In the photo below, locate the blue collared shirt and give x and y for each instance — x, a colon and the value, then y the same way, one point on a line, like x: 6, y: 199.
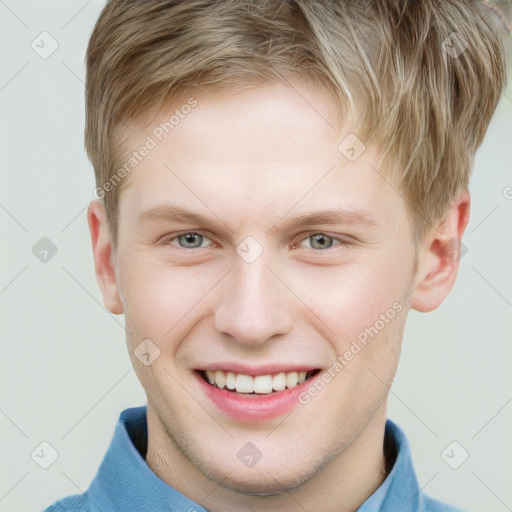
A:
x: 125, y: 483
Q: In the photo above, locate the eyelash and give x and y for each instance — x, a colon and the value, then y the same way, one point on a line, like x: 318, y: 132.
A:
x: 337, y: 241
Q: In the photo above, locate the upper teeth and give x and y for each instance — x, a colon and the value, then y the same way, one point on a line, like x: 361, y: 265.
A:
x: 262, y: 384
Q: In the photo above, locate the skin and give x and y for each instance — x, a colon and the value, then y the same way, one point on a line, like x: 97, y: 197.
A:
x: 249, y: 161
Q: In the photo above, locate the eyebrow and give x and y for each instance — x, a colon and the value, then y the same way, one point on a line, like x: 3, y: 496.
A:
x: 331, y: 216
x: 170, y: 212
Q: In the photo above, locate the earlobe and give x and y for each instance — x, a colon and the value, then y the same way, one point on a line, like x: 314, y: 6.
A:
x: 439, y: 257
x: 103, y: 255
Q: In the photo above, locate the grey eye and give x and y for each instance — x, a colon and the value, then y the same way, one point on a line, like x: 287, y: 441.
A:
x: 321, y: 241
x: 190, y: 240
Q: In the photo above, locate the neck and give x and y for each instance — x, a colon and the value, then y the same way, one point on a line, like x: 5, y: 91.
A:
x: 342, y: 485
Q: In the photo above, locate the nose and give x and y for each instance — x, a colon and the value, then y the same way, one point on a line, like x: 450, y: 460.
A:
x: 254, y: 304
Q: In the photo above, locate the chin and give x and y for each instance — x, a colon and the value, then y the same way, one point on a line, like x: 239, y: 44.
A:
x: 266, y: 481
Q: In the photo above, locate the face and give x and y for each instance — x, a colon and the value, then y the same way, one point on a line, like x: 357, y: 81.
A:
x: 254, y: 254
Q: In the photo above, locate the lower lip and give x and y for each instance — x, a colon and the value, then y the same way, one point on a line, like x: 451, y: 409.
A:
x: 254, y: 408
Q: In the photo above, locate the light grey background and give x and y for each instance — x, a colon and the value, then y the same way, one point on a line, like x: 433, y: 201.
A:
x: 65, y: 372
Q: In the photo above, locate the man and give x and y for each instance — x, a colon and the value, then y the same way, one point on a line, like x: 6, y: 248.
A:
x: 279, y: 184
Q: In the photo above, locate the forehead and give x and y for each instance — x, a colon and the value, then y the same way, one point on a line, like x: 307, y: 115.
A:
x: 237, y: 123
x: 261, y: 149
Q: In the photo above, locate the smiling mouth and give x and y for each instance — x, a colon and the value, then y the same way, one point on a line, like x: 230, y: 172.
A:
x: 241, y: 383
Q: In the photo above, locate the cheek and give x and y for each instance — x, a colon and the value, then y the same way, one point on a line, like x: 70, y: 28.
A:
x: 353, y: 298
x: 158, y: 299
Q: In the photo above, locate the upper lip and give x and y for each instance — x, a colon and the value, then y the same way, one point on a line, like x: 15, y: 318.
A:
x: 263, y: 369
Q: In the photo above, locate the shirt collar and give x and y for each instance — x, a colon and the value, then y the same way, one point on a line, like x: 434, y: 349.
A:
x: 124, y: 479
x: 400, y: 489
x: 126, y: 482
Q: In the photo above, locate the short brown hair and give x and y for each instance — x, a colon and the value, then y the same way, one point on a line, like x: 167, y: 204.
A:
x: 421, y: 78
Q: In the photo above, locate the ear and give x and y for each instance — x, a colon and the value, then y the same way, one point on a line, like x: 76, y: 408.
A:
x: 103, y: 253
x: 439, y: 256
